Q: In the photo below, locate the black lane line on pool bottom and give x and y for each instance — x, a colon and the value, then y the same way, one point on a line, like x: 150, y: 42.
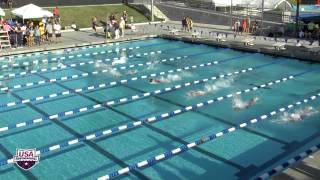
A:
x: 8, y: 155
x: 170, y: 136
x: 90, y: 143
x: 209, y: 116
x: 242, y: 171
x: 252, y: 170
x: 255, y: 171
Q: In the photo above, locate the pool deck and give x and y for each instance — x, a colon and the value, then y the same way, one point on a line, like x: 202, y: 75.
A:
x: 208, y: 36
x: 73, y: 39
x: 308, y: 169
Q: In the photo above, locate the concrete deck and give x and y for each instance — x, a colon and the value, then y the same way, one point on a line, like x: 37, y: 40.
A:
x: 309, y: 169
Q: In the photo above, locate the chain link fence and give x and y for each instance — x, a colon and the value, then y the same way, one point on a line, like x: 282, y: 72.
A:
x: 208, y: 12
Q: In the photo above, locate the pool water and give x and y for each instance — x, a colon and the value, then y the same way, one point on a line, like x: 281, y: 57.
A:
x: 51, y: 99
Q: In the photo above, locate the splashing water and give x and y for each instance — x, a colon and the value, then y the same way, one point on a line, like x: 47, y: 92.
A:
x: 220, y: 84
x: 109, y: 68
x: 175, y: 77
x: 238, y: 104
x: 297, y: 116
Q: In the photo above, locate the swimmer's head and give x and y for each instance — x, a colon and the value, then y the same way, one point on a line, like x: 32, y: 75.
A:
x: 150, y: 80
x: 309, y: 108
x: 255, y: 99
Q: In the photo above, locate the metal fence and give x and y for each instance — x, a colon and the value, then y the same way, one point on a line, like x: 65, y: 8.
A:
x: 207, y: 12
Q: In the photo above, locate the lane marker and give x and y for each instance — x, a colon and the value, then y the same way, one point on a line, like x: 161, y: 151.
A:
x: 83, y: 47
x: 168, y: 154
x: 77, y: 76
x: 56, y: 59
x: 131, y: 125
x: 72, y: 65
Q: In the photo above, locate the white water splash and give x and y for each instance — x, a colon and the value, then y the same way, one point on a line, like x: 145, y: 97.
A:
x: 220, y: 84
x: 238, y: 104
x: 212, y: 87
x: 297, y: 116
x: 109, y: 68
x: 170, y: 78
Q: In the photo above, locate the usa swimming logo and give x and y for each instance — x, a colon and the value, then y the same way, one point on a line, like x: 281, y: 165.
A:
x: 26, y: 158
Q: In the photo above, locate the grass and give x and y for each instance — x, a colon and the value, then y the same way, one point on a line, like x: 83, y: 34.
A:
x: 82, y: 15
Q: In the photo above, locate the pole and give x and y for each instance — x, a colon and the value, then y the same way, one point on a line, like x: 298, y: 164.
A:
x: 262, y: 11
x: 152, y: 13
x: 231, y: 23
x: 297, y: 17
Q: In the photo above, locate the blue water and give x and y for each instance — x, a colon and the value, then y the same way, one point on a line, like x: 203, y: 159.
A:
x: 243, y: 154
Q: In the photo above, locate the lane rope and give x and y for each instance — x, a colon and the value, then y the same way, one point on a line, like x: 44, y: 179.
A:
x: 56, y: 59
x: 183, y: 148
x: 98, y: 106
x: 77, y: 76
x: 68, y: 50
x: 81, y: 63
x: 108, y: 132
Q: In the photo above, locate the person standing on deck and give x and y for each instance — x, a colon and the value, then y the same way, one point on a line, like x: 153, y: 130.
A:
x: 122, y: 26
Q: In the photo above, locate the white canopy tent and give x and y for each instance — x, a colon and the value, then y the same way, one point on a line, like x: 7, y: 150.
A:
x: 31, y: 11
x: 2, y: 13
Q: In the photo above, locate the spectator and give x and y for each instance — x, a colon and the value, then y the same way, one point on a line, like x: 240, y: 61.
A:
x: 125, y: 16
x: 10, y: 3
x: 94, y: 24
x: 6, y: 27
x: 122, y: 26
x: 57, y: 31
x: 301, y: 34
x: 49, y: 30
x: 310, y: 27
x: 116, y: 30
x: 245, y: 26
x: 30, y: 36
x: 74, y: 26
x: 19, y: 32
x: 184, y: 23
x: 42, y: 32
x: 37, y: 35
x: 56, y: 14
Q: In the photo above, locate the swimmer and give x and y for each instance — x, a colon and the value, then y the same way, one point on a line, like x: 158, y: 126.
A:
x: 239, y: 105
x: 302, y: 114
x: 131, y: 72
x: 298, y: 115
x: 119, y: 61
x: 154, y: 81
x: 203, y: 140
x: 196, y: 93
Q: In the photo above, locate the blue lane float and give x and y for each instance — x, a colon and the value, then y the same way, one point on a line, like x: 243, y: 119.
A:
x: 68, y: 50
x: 171, y: 153
x: 63, y: 58
x: 108, y: 132
x: 109, y: 103
x: 114, y: 83
x: 82, y: 63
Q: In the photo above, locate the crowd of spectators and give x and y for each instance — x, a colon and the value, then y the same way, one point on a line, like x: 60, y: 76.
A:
x: 114, y: 26
x: 310, y: 30
x: 187, y: 24
x: 32, y: 32
x: 245, y: 26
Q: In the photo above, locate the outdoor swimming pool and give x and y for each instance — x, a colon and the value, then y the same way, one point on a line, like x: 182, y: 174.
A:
x: 90, y: 119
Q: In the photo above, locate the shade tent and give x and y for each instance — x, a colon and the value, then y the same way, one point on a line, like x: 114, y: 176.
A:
x: 31, y: 11
x: 2, y: 13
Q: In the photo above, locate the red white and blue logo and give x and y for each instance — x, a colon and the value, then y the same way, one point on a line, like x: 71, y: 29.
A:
x: 26, y: 158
